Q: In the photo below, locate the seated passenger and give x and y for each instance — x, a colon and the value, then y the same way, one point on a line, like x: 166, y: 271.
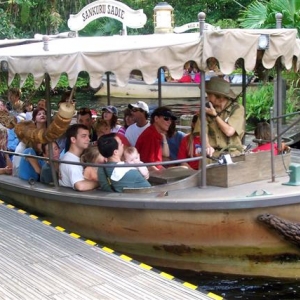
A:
x: 140, y: 113
x: 46, y: 172
x: 127, y: 121
x: 132, y: 156
x: 102, y: 127
x: 72, y: 175
x: 110, y: 114
x: 262, y: 133
x: 190, y: 146
x: 30, y: 168
x: 151, y: 142
x: 111, y: 147
x: 174, y: 138
x: 5, y: 162
x: 91, y: 155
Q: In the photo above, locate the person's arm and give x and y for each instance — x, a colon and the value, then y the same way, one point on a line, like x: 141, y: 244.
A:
x: 224, y: 126
x: 86, y: 185
x: 34, y: 163
x: 5, y: 171
x: 165, y: 147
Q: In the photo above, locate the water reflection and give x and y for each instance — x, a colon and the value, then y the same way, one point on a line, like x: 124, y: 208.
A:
x: 241, y: 287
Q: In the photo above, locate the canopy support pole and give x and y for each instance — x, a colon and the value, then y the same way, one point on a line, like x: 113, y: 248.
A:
x: 108, y: 87
x: 279, y: 88
x: 50, y: 149
x: 202, y: 115
x: 159, y: 87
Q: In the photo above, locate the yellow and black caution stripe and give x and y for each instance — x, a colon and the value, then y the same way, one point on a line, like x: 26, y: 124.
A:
x: 122, y: 256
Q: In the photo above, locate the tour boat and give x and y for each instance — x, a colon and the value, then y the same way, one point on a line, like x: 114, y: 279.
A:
x: 239, y: 218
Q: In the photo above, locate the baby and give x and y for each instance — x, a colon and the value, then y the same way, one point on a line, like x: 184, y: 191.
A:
x: 132, y: 156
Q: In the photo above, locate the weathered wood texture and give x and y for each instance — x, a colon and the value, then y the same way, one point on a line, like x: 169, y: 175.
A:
x: 253, y: 167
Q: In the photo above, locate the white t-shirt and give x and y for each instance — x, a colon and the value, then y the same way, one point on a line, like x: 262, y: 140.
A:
x: 133, y: 132
x: 16, y: 159
x: 70, y: 174
x: 116, y: 128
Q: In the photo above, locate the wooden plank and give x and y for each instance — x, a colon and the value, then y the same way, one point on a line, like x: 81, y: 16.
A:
x: 254, y: 167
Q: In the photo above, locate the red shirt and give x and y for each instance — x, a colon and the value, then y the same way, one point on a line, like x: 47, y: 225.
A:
x: 183, y: 151
x: 123, y: 139
x: 266, y: 147
x: 149, y: 145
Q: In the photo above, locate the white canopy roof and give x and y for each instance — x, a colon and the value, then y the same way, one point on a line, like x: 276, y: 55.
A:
x: 121, y: 54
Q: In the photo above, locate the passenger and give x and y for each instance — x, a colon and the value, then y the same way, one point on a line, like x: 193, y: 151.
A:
x: 84, y: 116
x: 40, y: 120
x: 186, y: 77
x: 72, y: 175
x: 46, y: 172
x: 151, y: 142
x: 41, y: 104
x: 190, y: 145
x: 15, y: 105
x: 174, y: 138
x: 102, y: 127
x: 132, y: 156
x: 111, y: 147
x: 110, y: 114
x: 91, y: 155
x: 140, y: 112
x: 30, y: 168
x: 127, y: 121
x: 262, y: 133
x: 2, y: 105
x: 225, y: 117
x: 28, y: 110
x: 5, y: 162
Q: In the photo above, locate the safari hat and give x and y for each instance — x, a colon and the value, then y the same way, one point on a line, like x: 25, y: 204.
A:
x: 219, y: 86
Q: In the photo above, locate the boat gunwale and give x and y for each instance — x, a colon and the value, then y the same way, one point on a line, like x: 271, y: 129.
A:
x: 133, y: 201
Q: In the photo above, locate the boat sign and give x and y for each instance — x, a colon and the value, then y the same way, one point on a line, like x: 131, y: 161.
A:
x: 107, y: 8
x: 194, y: 25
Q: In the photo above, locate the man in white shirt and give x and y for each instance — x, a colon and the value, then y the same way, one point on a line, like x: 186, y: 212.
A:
x: 72, y: 175
x: 140, y: 112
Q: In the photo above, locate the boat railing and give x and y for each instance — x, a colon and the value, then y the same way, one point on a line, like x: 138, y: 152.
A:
x: 279, y: 135
x: 163, y: 163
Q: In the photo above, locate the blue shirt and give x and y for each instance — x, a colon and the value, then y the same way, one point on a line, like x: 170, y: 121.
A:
x: 174, y: 143
x: 26, y: 171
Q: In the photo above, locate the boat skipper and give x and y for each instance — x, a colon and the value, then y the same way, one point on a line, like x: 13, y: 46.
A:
x: 225, y: 117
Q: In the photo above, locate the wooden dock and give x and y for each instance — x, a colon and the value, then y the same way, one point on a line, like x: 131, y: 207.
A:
x: 39, y: 261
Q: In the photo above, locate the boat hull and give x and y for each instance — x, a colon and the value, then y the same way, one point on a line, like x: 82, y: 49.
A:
x: 170, y: 90
x: 221, y: 234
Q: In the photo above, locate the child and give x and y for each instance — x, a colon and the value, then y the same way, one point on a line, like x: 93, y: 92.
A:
x: 91, y: 155
x: 262, y: 133
x: 190, y: 145
x: 132, y: 156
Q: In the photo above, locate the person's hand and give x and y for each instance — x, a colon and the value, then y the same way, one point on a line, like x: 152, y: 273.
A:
x: 8, y: 171
x: 209, y: 151
x: 210, y: 110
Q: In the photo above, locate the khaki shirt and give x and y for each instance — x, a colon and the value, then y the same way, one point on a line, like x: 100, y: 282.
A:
x: 234, y: 115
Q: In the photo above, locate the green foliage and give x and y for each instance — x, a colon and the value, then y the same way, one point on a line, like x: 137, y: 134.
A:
x: 261, y: 14
x: 259, y: 101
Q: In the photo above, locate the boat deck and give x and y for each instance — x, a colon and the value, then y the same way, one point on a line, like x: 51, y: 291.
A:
x: 42, y: 262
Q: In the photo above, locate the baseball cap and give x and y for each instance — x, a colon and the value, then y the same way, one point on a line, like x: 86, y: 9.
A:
x: 111, y: 109
x: 140, y: 104
x: 163, y: 112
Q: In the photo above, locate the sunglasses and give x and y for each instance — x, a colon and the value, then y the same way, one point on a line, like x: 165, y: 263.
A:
x: 83, y: 111
x: 135, y: 109
x: 167, y: 119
